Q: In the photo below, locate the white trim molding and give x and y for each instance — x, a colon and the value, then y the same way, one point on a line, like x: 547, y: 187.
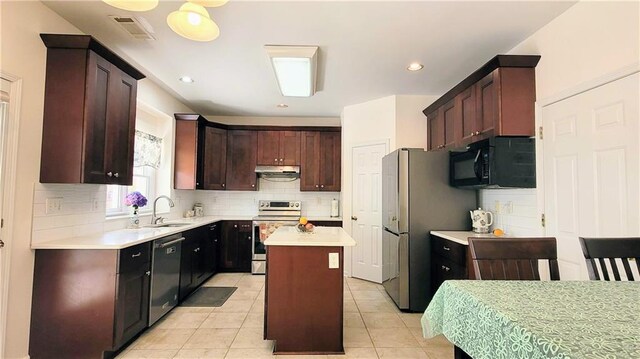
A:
x: 10, y: 163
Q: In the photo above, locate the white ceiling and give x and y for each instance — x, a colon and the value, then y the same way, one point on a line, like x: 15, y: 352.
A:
x: 364, y: 48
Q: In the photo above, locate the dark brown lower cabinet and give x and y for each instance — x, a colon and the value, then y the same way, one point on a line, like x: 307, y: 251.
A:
x: 449, y: 260
x: 198, y: 259
x: 88, y: 303
x: 235, y: 247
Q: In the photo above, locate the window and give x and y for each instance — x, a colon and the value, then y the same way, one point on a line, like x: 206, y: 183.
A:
x: 144, y: 181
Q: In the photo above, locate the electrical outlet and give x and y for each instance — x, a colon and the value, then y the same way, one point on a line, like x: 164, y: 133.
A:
x: 497, y: 207
x: 334, y: 260
x: 508, y: 207
x: 53, y: 205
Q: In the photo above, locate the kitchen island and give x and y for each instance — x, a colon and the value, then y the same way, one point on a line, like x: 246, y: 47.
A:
x: 304, y: 290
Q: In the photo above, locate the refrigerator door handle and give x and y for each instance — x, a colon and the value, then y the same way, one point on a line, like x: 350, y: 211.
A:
x: 403, y: 193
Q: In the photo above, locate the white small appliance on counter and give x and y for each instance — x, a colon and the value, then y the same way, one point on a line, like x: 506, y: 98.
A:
x: 335, y: 208
x: 481, y: 220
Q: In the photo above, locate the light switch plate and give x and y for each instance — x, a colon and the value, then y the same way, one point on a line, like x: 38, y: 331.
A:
x: 334, y: 260
x: 53, y: 205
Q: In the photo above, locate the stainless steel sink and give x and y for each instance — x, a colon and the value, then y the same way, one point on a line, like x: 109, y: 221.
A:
x: 161, y: 225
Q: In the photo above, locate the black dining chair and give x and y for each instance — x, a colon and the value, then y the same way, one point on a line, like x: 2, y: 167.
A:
x: 513, y: 258
x: 598, y: 251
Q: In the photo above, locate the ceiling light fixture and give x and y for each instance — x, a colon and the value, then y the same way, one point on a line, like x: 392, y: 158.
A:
x: 133, y: 5
x: 295, y: 68
x: 193, y: 22
x: 186, y: 79
x: 282, y: 105
x: 209, y: 3
x: 414, y: 66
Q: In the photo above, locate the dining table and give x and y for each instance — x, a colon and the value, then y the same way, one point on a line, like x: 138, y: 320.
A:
x: 537, y: 319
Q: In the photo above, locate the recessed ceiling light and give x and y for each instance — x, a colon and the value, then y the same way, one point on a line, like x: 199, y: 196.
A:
x: 414, y: 66
x: 282, y: 105
x: 186, y: 79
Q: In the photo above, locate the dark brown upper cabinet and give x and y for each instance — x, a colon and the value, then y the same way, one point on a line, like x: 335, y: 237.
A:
x: 241, y: 160
x: 496, y: 100
x: 279, y: 148
x: 200, y: 154
x: 89, y: 113
x: 320, y: 161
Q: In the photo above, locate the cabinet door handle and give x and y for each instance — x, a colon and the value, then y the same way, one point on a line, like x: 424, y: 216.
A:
x: 197, y: 183
x: 213, y: 227
x: 446, y: 268
x: 477, y: 133
x: 223, y: 185
x: 321, y: 186
x: 235, y: 226
x: 471, y: 134
x: 317, y: 186
x: 197, y: 249
x: 446, y: 248
x: 282, y: 160
x: 109, y: 174
x: 253, y: 186
x: 116, y: 175
x: 148, y: 273
x: 275, y: 160
x: 136, y: 255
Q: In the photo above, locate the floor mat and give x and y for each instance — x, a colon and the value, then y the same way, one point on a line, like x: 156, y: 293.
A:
x: 209, y: 297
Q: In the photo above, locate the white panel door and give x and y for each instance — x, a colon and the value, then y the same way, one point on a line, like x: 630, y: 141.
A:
x: 591, y: 178
x: 366, y: 224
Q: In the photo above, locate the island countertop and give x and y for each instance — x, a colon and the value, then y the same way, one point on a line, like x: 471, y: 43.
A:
x: 320, y: 237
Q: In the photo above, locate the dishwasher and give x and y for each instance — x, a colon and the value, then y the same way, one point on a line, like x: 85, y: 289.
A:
x: 165, y: 276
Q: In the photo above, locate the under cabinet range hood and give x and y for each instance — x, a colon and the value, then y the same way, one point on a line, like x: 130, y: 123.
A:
x: 291, y: 172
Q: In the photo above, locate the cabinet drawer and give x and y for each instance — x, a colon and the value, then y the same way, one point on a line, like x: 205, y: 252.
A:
x: 450, y: 250
x: 134, y: 258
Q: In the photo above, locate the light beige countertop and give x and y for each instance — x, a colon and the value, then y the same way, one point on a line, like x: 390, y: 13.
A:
x: 320, y: 237
x: 124, y: 238
x: 461, y: 236
x: 327, y: 218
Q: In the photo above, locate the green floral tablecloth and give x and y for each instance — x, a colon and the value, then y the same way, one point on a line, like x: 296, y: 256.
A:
x: 530, y: 319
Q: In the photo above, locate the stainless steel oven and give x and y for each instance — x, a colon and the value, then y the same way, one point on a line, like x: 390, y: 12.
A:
x: 271, y: 216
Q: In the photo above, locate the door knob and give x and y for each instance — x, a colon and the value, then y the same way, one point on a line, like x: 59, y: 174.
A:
x: 1, y: 243
x: 354, y: 218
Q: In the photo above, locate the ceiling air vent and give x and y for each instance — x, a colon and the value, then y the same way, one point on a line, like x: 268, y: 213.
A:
x: 137, y: 27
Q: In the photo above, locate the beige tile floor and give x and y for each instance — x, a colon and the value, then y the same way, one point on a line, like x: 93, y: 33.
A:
x: 373, y: 327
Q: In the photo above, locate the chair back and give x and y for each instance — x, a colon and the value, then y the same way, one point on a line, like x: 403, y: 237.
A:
x: 513, y: 258
x: 599, y: 251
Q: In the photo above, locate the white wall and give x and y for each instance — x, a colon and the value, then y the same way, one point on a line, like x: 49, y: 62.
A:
x: 589, y: 40
x: 514, y: 211
x: 396, y: 120
x: 24, y: 55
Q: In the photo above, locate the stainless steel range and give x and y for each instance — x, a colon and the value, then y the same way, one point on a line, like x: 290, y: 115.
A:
x: 271, y: 215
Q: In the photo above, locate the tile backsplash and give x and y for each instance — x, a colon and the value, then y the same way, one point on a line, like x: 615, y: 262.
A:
x: 515, y: 210
x: 82, y: 210
x: 243, y: 203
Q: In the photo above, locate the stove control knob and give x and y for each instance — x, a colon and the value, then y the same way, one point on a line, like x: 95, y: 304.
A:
x: 297, y: 204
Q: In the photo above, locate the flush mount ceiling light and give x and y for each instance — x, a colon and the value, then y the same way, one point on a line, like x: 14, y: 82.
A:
x: 186, y: 79
x: 209, y: 3
x: 295, y: 68
x: 133, y: 5
x: 414, y: 66
x: 282, y: 105
x: 192, y: 21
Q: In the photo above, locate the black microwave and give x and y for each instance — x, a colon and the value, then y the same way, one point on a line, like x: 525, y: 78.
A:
x: 496, y: 162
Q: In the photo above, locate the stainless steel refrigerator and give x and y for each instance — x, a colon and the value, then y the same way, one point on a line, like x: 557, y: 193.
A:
x: 417, y: 199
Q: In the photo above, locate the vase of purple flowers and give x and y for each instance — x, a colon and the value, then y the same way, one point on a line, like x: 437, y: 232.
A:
x: 135, y: 200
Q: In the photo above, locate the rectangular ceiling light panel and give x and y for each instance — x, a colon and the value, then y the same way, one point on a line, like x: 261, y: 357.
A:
x: 295, y: 69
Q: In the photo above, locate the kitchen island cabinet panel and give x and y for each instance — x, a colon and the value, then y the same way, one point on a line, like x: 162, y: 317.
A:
x: 304, y: 308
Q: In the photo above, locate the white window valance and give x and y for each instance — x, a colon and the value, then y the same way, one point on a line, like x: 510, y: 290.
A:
x: 147, y: 150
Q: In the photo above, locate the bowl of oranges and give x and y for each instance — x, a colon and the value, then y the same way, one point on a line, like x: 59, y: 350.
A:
x: 304, y: 226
